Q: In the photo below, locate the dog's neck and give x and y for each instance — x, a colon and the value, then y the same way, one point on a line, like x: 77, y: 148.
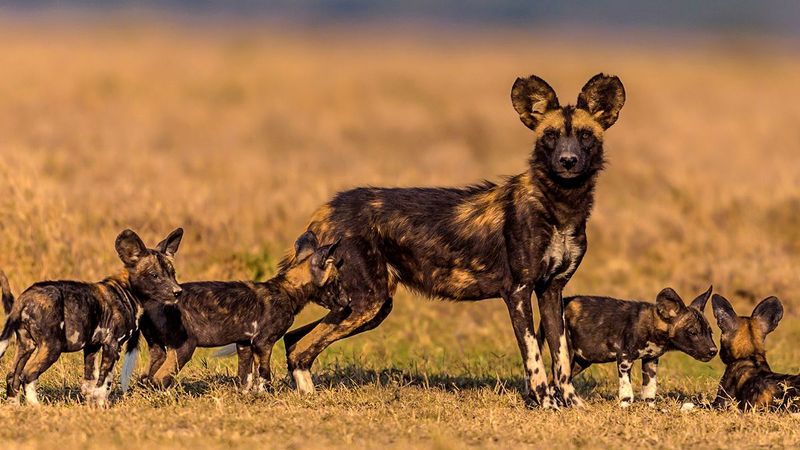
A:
x: 572, y: 199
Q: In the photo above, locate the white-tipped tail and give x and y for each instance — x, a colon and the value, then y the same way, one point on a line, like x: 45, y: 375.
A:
x: 228, y: 350
x: 3, y: 347
x: 131, y: 358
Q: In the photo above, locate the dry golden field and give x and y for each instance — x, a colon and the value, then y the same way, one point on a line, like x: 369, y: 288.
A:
x: 238, y: 133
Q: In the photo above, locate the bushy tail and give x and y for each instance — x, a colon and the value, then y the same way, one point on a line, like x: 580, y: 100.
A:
x: 131, y: 358
x: 8, y: 297
x: 12, y: 322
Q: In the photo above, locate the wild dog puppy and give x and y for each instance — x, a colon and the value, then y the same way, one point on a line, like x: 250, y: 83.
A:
x: 603, y: 329
x: 53, y: 317
x: 748, y: 381
x: 524, y: 235
x: 249, y: 314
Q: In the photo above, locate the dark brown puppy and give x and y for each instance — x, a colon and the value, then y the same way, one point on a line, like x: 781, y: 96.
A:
x: 602, y: 329
x: 748, y: 381
x: 524, y: 235
x: 251, y: 315
x: 53, y: 317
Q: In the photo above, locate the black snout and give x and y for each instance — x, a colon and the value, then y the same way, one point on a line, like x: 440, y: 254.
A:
x: 568, y: 161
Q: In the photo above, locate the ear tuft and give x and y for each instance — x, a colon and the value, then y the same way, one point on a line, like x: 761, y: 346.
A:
x: 532, y: 97
x: 130, y: 247
x: 767, y: 314
x: 668, y: 304
x: 699, y: 303
x: 727, y: 320
x: 603, y: 97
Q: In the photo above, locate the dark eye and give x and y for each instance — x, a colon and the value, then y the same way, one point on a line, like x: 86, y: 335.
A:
x: 586, y: 137
x: 550, y: 135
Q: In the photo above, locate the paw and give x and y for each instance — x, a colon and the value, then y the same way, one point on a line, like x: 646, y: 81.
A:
x: 573, y: 401
x: 547, y: 401
x: 14, y: 400
x: 651, y: 402
x: 302, y: 378
x: 686, y: 407
x: 625, y: 403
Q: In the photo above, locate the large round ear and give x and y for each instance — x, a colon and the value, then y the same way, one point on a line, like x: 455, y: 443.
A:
x: 668, y: 304
x: 130, y: 248
x: 169, y: 246
x: 727, y: 320
x: 699, y: 303
x: 305, y: 246
x: 532, y: 97
x: 767, y: 314
x: 603, y: 97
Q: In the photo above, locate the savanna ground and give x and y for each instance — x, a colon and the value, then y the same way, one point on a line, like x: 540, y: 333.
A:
x: 238, y: 134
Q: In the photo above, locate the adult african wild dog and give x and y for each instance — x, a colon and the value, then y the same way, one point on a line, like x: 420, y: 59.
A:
x: 251, y: 315
x: 53, y: 317
x: 748, y: 381
x: 602, y: 329
x: 524, y: 235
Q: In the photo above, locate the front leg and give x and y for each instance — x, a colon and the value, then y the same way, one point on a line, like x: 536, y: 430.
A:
x: 624, y: 365
x: 552, y: 309
x: 102, y: 386
x: 91, y: 369
x: 519, y: 308
x: 649, y: 381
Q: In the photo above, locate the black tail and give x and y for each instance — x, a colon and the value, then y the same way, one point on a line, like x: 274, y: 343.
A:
x: 8, y: 297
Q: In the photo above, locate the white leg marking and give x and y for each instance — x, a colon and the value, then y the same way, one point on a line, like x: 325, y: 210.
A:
x: 303, y: 380
x: 30, y: 394
x: 651, y: 386
x: 100, y: 394
x: 3, y: 347
x: 248, y: 383
x: 534, y: 363
x: 625, y: 389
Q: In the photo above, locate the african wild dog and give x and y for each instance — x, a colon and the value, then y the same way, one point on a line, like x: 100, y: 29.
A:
x: 509, y: 240
x: 602, y: 329
x: 748, y: 381
x: 53, y: 317
x: 251, y: 315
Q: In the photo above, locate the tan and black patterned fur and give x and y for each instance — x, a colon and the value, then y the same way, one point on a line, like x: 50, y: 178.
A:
x: 54, y: 317
x: 524, y: 235
x: 748, y: 381
x: 603, y: 329
x: 252, y: 315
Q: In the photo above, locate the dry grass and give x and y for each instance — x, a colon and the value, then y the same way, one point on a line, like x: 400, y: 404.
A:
x: 238, y: 136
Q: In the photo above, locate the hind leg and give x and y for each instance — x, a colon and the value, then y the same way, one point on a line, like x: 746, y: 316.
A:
x: 366, y: 280
x: 25, y: 348
x: 46, y: 354
x: 175, y: 360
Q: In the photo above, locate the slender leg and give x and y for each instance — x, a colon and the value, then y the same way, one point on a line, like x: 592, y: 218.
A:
x: 263, y: 351
x: 25, y: 349
x: 158, y: 355
x: 46, y: 354
x: 624, y: 365
x: 552, y: 309
x: 245, y: 372
x: 91, y: 369
x: 176, y: 359
x: 103, y: 384
x: 649, y: 381
x: 519, y: 308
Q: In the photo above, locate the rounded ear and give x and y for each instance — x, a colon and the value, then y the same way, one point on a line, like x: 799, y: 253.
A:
x: 699, y: 303
x: 169, y: 246
x: 130, y: 248
x: 323, y: 264
x: 767, y: 314
x: 727, y: 320
x: 669, y: 304
x: 532, y: 97
x: 305, y: 246
x: 603, y: 97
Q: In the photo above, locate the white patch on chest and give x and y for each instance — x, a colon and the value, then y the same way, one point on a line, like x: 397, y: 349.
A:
x: 650, y: 349
x: 561, y: 255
